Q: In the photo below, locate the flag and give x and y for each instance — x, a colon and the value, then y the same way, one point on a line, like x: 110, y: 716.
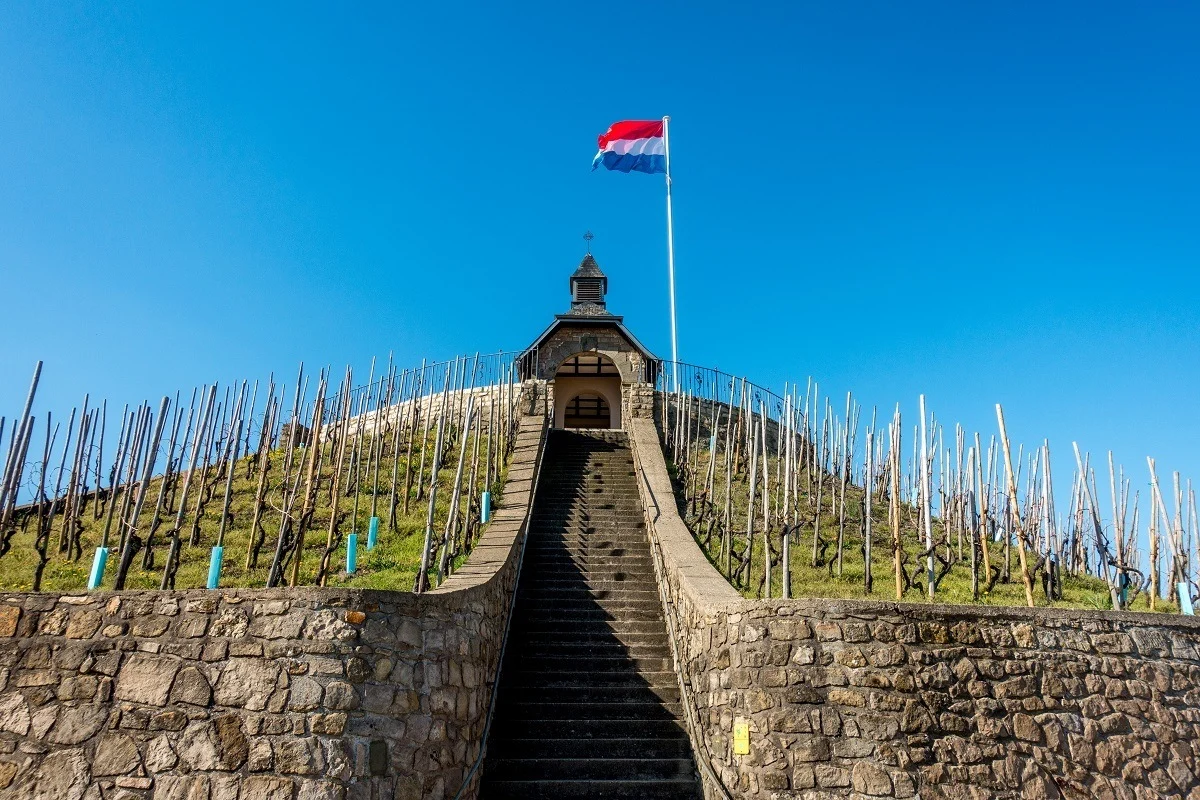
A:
x: 633, y: 145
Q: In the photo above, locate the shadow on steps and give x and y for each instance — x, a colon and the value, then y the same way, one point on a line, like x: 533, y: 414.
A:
x: 588, y: 703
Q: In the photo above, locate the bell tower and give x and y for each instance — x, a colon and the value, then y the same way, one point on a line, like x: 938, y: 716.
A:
x: 588, y: 287
x: 595, y: 373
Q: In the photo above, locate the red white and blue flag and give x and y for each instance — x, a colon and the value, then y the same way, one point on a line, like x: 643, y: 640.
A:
x: 633, y: 146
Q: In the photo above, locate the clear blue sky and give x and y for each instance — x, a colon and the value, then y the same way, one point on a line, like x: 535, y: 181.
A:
x: 984, y: 203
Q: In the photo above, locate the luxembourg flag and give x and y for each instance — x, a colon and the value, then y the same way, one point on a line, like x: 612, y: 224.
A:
x: 633, y: 145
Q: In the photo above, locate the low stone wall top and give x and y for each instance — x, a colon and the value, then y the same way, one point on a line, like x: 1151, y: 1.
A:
x: 273, y: 694
x: 871, y: 699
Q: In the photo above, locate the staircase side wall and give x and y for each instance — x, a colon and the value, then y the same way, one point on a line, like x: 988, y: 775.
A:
x: 273, y: 694
x: 871, y: 699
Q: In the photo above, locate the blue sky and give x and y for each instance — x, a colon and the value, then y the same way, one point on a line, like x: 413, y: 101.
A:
x: 984, y: 203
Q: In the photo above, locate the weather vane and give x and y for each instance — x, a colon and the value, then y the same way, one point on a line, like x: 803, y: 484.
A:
x: 587, y: 237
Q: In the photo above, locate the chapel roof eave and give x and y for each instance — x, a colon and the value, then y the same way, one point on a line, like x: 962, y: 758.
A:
x: 607, y: 320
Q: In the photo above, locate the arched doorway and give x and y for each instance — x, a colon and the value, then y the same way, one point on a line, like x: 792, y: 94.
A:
x: 587, y: 411
x: 587, y: 392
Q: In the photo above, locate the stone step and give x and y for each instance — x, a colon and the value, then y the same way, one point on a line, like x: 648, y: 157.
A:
x: 587, y: 535
x: 573, y: 583
x: 539, y: 550
x: 636, y: 711
x: 584, y: 598
x: 614, y: 568
x: 582, y: 663
x: 676, y: 746
x: 579, y: 587
x: 627, y: 512
x: 566, y: 678
x: 614, y: 606
x: 597, y: 729
x: 627, y: 635
x: 577, y: 638
x: 569, y: 579
x: 586, y: 528
x: 583, y: 537
x: 611, y: 572
x: 607, y: 695
x: 528, y: 650
x: 587, y: 598
x: 588, y: 767
x: 590, y: 535
x: 592, y: 627
x: 611, y: 789
x: 608, y: 570
x: 592, y: 487
x: 549, y: 612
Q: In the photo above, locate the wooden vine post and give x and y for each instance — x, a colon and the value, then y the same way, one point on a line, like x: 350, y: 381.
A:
x: 894, y: 502
x: 1010, y: 479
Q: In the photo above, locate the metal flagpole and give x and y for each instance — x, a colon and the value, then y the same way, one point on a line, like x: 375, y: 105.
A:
x: 671, y: 260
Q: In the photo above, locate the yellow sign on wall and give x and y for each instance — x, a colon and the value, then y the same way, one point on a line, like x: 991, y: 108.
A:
x: 741, y: 737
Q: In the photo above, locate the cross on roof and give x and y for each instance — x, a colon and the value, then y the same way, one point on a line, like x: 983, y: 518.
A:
x: 587, y: 237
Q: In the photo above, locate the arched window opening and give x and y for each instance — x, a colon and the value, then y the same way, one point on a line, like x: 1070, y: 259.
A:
x: 587, y: 411
x: 587, y: 364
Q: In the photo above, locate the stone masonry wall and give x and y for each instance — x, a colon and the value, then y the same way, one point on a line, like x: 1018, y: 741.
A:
x: 570, y: 340
x: 280, y: 694
x: 638, y: 399
x: 869, y: 699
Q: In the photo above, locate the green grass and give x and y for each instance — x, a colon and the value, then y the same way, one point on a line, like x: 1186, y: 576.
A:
x: 826, y: 580
x: 392, y: 564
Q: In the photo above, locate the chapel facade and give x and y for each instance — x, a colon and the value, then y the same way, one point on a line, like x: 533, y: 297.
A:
x: 594, y: 371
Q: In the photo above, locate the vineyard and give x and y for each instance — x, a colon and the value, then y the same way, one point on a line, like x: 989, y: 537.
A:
x: 388, y: 484
x: 790, y: 499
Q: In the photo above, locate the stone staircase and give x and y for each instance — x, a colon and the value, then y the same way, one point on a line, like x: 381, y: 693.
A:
x: 588, y: 704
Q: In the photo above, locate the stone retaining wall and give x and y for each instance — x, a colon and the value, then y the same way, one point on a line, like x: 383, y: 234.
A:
x: 283, y: 694
x: 870, y: 699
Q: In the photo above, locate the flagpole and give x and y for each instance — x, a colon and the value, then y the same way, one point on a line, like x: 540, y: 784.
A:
x: 671, y: 259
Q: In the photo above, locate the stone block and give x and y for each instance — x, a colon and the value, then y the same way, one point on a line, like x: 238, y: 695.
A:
x: 871, y: 779
x: 831, y: 777
x: 168, y: 721
x: 296, y: 756
x: 116, y: 754
x: 219, y: 744
x: 10, y: 615
x: 285, y: 626
x: 77, y: 724
x: 231, y: 623
x: 14, y: 714
x: 62, y: 775
x: 305, y: 694
x: 150, y: 627
x: 1026, y: 729
x: 146, y: 678
x: 340, y: 696
x: 327, y: 626
x: 191, y: 687
x: 267, y: 787
x: 810, y: 748
x: 83, y: 624
x: 246, y: 683
x: 53, y: 623
x: 159, y: 755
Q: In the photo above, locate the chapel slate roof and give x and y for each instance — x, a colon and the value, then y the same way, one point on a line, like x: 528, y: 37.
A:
x: 588, y: 268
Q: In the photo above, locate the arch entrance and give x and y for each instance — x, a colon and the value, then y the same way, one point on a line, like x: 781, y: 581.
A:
x: 587, y: 392
x: 587, y: 411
